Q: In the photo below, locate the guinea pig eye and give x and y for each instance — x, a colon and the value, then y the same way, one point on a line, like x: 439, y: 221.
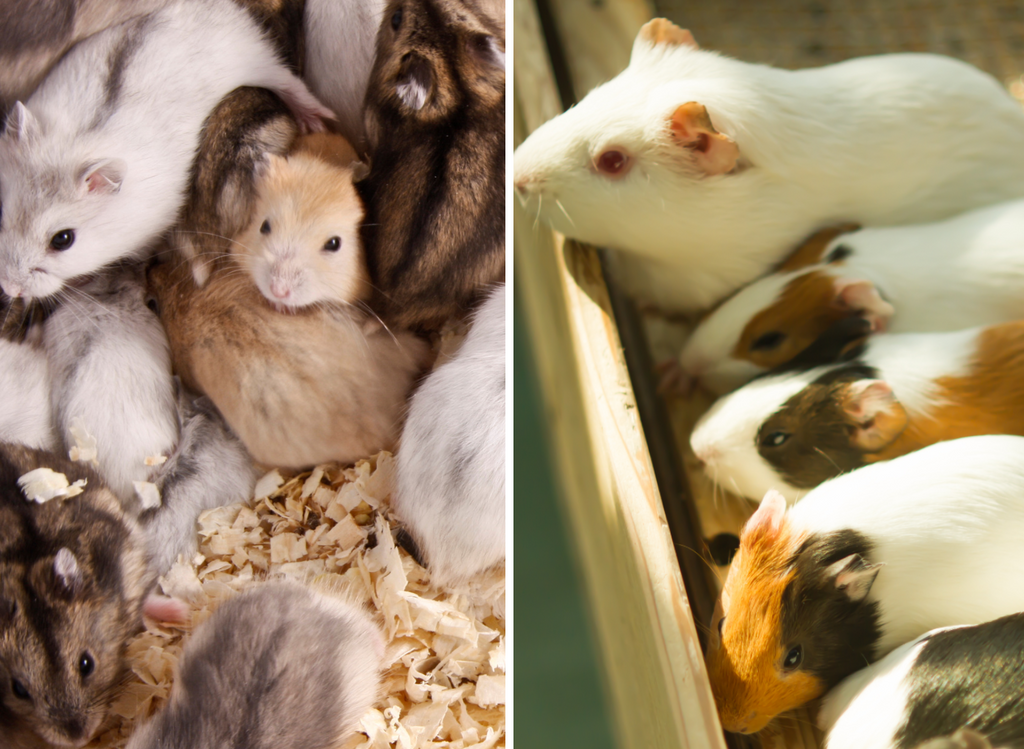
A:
x: 793, y: 658
x: 333, y: 244
x: 721, y: 625
x: 396, y: 19
x: 85, y: 664
x: 265, y: 227
x: 613, y: 163
x: 62, y: 240
x: 19, y: 690
x: 775, y: 439
x: 153, y: 305
x: 768, y: 341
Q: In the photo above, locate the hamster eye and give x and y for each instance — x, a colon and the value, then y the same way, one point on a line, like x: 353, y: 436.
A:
x: 721, y: 624
x: 613, y: 163
x: 19, y: 690
x: 152, y: 304
x: 333, y: 244
x: 62, y: 240
x: 793, y: 658
x: 775, y: 439
x: 86, y: 665
x: 396, y: 19
x: 265, y: 227
x: 768, y: 341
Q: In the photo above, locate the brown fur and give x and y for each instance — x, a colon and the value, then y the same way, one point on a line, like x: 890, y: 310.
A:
x: 812, y: 250
x: 435, y: 195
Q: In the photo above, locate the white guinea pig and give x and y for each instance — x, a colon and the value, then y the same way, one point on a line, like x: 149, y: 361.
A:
x: 451, y: 464
x: 711, y: 170
x: 947, y: 275
x: 25, y: 396
x: 863, y: 564
x: 934, y: 686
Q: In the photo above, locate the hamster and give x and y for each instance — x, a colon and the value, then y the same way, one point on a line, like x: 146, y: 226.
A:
x: 892, y: 395
x: 110, y: 373
x: 73, y: 578
x: 316, y: 385
x: 435, y: 196
x: 302, y: 245
x: 25, y: 416
x: 451, y: 466
x: 340, y: 35
x: 278, y: 665
x: 208, y: 468
x: 936, y: 685
x: 94, y: 169
x: 949, y: 275
x: 864, y: 563
x: 709, y: 170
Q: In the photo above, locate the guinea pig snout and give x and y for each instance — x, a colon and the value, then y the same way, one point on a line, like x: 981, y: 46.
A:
x: 707, y: 455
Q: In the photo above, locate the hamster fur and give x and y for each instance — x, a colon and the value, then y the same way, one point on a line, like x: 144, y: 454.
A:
x: 278, y: 665
x: 709, y: 170
x: 864, y: 563
x: 941, y: 682
x: 208, y: 468
x: 451, y: 465
x: 316, y: 385
x: 93, y: 168
x: 896, y: 393
x: 73, y: 578
x: 302, y: 244
x: 949, y: 275
x: 25, y: 396
x: 435, y: 196
x: 110, y: 371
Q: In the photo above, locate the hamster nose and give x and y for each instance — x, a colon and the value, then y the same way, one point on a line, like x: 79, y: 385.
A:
x: 706, y: 455
x: 525, y: 184
x: 12, y: 290
x: 280, y: 290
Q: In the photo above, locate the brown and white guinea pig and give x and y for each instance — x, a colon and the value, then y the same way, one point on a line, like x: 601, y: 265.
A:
x: 893, y: 394
x: 710, y: 170
x: 73, y: 577
x: 932, y: 687
x: 435, y: 195
x: 301, y: 245
x: 864, y: 563
x: 320, y: 384
x: 948, y: 275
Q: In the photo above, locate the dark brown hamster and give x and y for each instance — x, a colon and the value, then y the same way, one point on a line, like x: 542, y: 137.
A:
x: 73, y: 577
x: 435, y: 117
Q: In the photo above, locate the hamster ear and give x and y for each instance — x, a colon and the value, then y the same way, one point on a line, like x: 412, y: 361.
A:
x: 863, y: 298
x: 767, y: 521
x: 660, y: 31
x: 853, y: 576
x: 67, y: 571
x: 21, y: 124
x: 712, y: 152
x: 103, y: 177
x: 414, y: 83
x: 486, y: 49
x: 875, y: 414
x: 360, y: 170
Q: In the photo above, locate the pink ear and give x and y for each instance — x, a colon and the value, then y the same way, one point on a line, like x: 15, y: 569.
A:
x: 663, y: 31
x: 104, y: 177
x: 877, y: 417
x: 854, y: 576
x: 712, y: 152
x: 862, y: 297
x: 163, y: 609
x: 768, y: 519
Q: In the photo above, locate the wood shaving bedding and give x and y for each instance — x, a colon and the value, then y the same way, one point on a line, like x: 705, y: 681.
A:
x: 444, y: 682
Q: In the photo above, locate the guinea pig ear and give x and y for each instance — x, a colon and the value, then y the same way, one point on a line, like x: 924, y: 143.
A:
x: 103, y: 177
x: 67, y: 572
x: 658, y: 32
x: 875, y: 414
x: 415, y: 82
x: 863, y: 298
x: 711, y: 151
x: 767, y: 521
x: 853, y: 576
x: 21, y: 124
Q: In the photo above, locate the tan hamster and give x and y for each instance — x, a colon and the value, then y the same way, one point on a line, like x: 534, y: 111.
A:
x: 302, y: 245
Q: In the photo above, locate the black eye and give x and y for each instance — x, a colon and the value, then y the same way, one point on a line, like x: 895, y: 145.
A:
x: 265, y: 227
x: 62, y: 240
x: 721, y: 624
x: 396, y: 19
x: 151, y: 303
x: 19, y: 690
x: 768, y: 341
x: 793, y: 658
x: 775, y: 439
x: 333, y: 244
x: 85, y: 664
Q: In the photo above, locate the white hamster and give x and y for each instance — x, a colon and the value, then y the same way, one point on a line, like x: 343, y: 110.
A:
x: 25, y: 416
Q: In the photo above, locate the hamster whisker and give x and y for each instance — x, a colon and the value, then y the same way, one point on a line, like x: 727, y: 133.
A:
x: 562, y: 207
x: 366, y: 308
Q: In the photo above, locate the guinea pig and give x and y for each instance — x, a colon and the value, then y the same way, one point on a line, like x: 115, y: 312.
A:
x: 934, y: 686
x: 208, y: 468
x: 435, y: 196
x: 73, y: 578
x: 278, y: 665
x: 316, y: 385
x: 94, y: 169
x: 451, y: 465
x: 948, y: 275
x: 894, y: 394
x: 710, y: 170
x: 302, y: 246
x: 864, y: 563
x: 25, y: 417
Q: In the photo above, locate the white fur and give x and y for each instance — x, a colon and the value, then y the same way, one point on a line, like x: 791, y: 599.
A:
x: 451, y: 465
x: 340, y: 46
x: 725, y: 438
x: 948, y: 275
x: 881, y: 140
x: 25, y: 396
x: 189, y: 56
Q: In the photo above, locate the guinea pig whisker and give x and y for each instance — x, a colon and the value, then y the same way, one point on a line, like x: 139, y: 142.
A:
x: 828, y: 458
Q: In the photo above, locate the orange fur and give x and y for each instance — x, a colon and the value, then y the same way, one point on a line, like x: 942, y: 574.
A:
x: 811, y: 251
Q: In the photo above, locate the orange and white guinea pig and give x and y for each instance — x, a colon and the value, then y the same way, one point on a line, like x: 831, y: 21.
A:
x: 865, y: 563
x: 949, y: 275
